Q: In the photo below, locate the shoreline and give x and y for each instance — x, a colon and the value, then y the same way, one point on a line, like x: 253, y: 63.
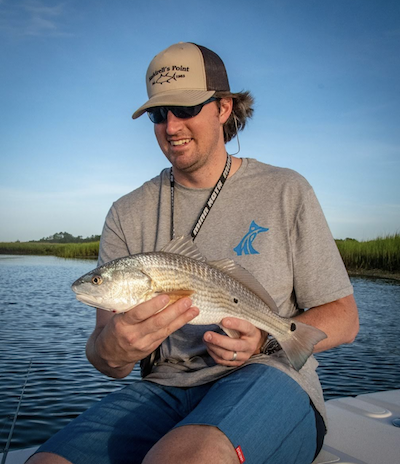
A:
x: 374, y: 273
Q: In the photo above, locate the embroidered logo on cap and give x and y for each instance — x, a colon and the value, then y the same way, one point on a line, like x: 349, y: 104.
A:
x: 168, y: 73
x: 164, y: 78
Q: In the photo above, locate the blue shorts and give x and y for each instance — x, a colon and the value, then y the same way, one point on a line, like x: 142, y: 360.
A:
x: 264, y: 413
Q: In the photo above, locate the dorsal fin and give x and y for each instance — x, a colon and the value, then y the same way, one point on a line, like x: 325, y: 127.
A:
x: 184, y: 246
x: 239, y: 273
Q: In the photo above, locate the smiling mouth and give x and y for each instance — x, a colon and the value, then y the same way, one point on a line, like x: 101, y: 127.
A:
x: 178, y: 143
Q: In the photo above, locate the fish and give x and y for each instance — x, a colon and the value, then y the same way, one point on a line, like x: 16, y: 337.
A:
x: 219, y: 289
x: 163, y: 78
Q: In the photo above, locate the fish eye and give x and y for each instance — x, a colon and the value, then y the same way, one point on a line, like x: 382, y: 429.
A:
x: 97, y: 280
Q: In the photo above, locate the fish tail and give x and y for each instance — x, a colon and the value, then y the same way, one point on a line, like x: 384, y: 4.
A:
x: 300, y: 345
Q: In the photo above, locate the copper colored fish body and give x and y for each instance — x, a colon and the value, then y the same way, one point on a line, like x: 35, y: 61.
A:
x: 219, y: 289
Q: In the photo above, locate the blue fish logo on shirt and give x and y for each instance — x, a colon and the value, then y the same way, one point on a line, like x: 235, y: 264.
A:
x: 246, y: 244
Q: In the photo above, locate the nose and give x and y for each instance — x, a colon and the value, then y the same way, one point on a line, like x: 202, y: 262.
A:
x: 173, y: 124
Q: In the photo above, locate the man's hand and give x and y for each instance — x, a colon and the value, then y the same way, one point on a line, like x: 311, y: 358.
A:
x: 222, y: 348
x: 121, y: 340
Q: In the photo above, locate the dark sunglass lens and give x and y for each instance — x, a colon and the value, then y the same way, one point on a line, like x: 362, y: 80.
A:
x: 157, y: 115
x: 185, y: 112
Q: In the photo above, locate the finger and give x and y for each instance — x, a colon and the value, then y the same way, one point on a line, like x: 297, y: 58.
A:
x: 215, y: 340
x: 248, y: 332
x: 220, y: 354
x: 227, y: 358
x: 144, y: 336
x: 245, y: 328
x: 155, y: 332
x: 173, y: 318
x: 144, y: 310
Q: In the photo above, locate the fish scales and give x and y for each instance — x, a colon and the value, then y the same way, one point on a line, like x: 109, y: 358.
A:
x: 214, y: 294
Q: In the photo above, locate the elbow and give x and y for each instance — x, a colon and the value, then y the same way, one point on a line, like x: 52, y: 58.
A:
x: 350, y: 316
x: 355, y: 333
x: 353, y: 329
x: 351, y: 338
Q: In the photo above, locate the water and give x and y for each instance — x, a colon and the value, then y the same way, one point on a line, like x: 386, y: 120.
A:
x: 372, y: 362
x: 41, y: 321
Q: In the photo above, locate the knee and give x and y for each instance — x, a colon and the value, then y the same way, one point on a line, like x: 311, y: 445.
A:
x: 46, y: 458
x: 193, y: 444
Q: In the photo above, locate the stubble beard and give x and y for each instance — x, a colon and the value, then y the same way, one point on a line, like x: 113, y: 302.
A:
x: 200, y: 158
x: 189, y: 166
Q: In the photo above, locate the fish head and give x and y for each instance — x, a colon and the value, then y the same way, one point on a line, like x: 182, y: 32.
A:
x: 116, y: 286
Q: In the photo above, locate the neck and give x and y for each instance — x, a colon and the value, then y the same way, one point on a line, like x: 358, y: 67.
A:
x: 206, y: 176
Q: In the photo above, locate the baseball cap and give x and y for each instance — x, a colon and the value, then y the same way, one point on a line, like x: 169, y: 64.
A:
x: 184, y: 74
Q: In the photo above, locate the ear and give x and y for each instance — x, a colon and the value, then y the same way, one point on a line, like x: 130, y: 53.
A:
x: 225, y: 109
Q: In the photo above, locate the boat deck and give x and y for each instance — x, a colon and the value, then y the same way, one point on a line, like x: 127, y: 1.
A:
x: 362, y: 430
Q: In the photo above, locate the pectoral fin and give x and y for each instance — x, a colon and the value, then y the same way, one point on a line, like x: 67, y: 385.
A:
x: 177, y: 295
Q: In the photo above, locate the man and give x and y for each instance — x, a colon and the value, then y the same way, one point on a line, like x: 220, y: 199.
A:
x: 207, y: 397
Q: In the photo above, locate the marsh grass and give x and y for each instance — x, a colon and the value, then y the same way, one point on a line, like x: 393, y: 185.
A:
x: 382, y: 253
x: 62, y: 250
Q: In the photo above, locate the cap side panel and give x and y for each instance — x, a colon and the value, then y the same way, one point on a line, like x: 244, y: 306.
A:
x: 215, y: 72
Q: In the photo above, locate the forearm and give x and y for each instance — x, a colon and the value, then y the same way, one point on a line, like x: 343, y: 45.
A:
x: 338, y: 319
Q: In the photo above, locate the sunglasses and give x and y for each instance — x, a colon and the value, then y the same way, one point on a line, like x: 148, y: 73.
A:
x: 158, y: 114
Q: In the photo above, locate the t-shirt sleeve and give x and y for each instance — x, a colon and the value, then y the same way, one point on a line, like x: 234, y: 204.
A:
x: 320, y: 276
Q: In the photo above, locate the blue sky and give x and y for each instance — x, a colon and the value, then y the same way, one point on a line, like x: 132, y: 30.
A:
x: 325, y: 75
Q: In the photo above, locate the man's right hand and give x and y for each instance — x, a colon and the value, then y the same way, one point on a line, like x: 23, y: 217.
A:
x: 119, y: 341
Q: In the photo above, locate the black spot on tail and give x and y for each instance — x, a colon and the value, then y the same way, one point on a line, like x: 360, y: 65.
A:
x: 292, y: 327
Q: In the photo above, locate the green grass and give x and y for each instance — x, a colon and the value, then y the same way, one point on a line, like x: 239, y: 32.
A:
x: 382, y: 253
x: 62, y: 250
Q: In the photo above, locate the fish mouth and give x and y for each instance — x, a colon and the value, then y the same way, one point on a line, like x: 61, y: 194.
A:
x: 88, y: 300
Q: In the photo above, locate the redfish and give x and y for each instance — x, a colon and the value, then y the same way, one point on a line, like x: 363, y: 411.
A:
x: 218, y: 288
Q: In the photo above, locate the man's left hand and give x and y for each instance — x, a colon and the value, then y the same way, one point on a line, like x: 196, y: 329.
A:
x: 234, y: 351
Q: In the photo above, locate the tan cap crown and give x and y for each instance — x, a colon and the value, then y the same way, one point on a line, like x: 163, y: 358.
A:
x: 184, y: 74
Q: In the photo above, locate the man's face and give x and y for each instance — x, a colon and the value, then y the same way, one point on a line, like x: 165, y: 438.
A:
x: 189, y: 144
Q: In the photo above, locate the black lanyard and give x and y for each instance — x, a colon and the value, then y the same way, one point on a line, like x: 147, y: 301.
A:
x: 208, y: 204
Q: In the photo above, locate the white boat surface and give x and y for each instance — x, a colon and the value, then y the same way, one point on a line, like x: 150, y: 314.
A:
x: 361, y: 430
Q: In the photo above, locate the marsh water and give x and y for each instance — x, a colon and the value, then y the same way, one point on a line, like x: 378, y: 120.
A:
x: 43, y: 331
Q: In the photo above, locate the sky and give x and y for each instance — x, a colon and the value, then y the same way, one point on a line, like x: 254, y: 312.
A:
x: 325, y: 75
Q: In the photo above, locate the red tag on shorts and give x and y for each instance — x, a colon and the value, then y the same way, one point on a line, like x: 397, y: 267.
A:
x: 240, y: 454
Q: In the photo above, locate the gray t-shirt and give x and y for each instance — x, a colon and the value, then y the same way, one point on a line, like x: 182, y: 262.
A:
x: 269, y: 221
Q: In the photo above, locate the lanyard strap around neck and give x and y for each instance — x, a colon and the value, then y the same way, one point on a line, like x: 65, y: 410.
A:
x: 208, y: 204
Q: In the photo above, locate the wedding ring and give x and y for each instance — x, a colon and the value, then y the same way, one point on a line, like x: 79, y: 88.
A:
x: 234, y: 356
